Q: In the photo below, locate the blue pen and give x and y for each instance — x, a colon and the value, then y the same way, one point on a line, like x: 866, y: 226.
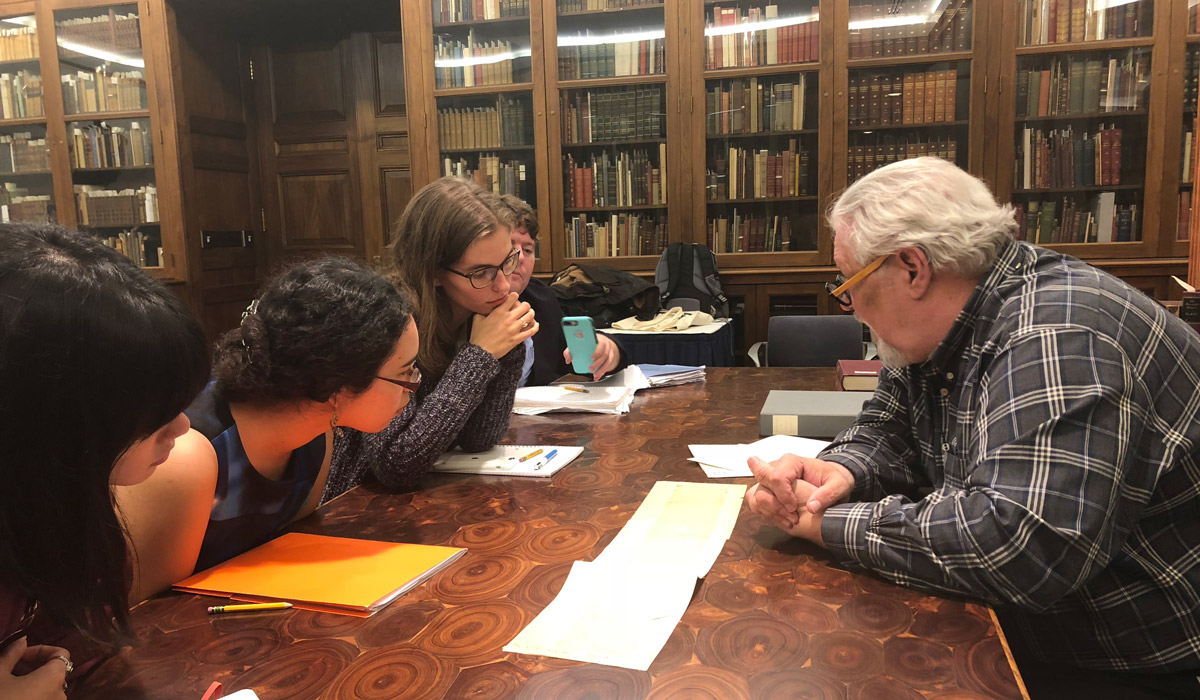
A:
x: 551, y: 455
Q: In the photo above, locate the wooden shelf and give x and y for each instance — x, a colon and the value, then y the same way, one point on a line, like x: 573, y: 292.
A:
x: 21, y: 62
x: 101, y: 116
x: 120, y: 226
x: 1082, y: 117
x: 28, y: 173
x: 483, y: 90
x: 1068, y: 190
x: 122, y: 169
x: 763, y: 200
x: 1193, y: 38
x: 921, y: 58
x: 612, y: 11
x: 635, y: 207
x: 750, y: 71
x: 580, y: 83
x: 487, y: 149
x: 1079, y: 46
x: 24, y: 121
x: 1185, y: 187
x: 893, y: 127
x: 481, y: 22
x: 760, y: 134
x: 608, y: 144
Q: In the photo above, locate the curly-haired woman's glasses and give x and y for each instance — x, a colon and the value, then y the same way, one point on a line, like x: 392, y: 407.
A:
x: 410, y: 382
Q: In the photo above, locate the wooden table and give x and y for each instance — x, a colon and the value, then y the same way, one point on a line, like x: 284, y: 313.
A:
x: 775, y: 618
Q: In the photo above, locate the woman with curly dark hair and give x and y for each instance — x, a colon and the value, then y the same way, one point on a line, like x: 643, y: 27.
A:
x: 97, y: 363
x: 324, y: 357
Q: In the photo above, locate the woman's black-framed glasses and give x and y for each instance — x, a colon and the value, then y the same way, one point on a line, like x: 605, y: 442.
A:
x: 840, y: 287
x: 485, y: 276
x: 410, y: 383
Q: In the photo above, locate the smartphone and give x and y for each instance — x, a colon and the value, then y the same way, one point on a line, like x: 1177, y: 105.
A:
x: 581, y: 341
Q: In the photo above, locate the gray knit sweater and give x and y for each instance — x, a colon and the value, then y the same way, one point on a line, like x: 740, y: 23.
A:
x: 467, y: 407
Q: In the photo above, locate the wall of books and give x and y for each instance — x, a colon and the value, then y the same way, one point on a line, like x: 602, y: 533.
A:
x: 1191, y: 88
x: 111, y: 154
x: 26, y: 180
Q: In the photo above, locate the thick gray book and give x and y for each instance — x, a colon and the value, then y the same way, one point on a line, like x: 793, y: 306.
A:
x: 821, y: 414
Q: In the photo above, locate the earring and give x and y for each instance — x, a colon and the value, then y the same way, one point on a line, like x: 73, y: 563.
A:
x: 333, y: 423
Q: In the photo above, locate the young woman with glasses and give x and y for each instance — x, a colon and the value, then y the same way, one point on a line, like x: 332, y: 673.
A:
x: 322, y: 360
x: 97, y: 363
x: 451, y: 247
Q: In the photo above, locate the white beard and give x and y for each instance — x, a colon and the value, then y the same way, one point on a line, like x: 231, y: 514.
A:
x: 889, y: 355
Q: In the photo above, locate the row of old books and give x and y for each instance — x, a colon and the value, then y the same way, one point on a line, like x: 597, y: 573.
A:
x: 593, y: 5
x: 111, y: 32
x: 508, y: 124
x: 1184, y: 226
x: 889, y: 148
x: 612, y: 59
x: 18, y: 44
x: 448, y: 11
x: 912, y: 97
x: 139, y: 246
x: 907, y: 28
x: 731, y: 39
x: 741, y: 173
x: 754, y: 234
x: 616, y: 234
x: 21, y: 95
x: 1074, y: 220
x: 100, y: 206
x: 1064, y: 158
x: 495, y: 174
x: 613, y: 114
x: 621, y: 179
x: 1063, y: 21
x: 21, y: 153
x: 751, y: 105
x: 17, y: 203
x: 104, y: 146
x: 1073, y: 86
x: 1191, y: 78
x: 86, y: 92
x: 471, y: 62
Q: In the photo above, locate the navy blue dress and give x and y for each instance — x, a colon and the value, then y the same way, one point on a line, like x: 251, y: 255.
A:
x: 248, y: 508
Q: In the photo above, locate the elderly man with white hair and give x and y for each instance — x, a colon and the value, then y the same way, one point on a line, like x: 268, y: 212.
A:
x: 1032, y: 444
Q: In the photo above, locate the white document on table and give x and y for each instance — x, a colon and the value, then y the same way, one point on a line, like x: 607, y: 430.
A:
x: 620, y: 609
x: 726, y: 461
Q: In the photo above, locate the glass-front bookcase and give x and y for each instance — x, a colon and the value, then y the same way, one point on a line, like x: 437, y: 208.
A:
x: 761, y: 114
x: 1191, y: 88
x: 609, y: 95
x: 1082, y: 94
x: 102, y: 74
x: 26, y: 177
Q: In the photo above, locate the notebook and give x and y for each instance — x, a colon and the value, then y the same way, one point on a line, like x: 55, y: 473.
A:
x: 506, y: 460
x: 325, y: 574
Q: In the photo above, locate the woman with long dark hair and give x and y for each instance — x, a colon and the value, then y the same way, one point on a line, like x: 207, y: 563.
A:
x: 451, y: 248
x: 97, y: 363
x: 324, y: 357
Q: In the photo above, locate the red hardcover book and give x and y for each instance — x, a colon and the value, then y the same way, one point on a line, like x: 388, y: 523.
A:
x: 858, y: 375
x: 1115, y: 135
x: 814, y: 41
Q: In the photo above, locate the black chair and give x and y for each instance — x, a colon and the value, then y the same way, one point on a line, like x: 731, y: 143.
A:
x: 810, y: 341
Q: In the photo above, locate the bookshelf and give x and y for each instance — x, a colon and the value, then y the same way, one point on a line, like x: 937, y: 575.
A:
x: 1188, y: 132
x: 611, y: 166
x: 26, y: 178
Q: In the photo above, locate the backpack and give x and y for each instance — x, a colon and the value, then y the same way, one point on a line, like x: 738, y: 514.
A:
x: 688, y: 271
x: 604, y: 293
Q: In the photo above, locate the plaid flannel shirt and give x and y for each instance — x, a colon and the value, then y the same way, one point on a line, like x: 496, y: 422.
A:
x: 1044, y: 460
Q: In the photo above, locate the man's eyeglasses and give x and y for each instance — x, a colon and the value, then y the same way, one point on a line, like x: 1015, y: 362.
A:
x: 411, y: 382
x: 840, y: 287
x: 485, y: 276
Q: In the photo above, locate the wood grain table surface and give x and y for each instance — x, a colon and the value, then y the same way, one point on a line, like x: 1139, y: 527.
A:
x: 776, y: 618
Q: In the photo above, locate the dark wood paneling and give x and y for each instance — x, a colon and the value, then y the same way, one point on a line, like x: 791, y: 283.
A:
x: 315, y: 209
x: 396, y: 185
x: 303, y: 148
x: 393, y: 142
x: 389, y: 74
x: 307, y: 84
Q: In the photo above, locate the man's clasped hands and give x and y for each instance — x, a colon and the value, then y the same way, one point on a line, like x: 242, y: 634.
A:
x: 793, y: 492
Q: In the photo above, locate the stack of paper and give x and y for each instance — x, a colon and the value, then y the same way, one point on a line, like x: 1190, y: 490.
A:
x: 725, y: 461
x: 584, y: 398
x: 509, y: 460
x: 672, y: 375
x: 621, y: 608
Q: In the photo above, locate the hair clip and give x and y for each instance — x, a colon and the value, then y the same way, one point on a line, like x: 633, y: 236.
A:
x: 250, y: 310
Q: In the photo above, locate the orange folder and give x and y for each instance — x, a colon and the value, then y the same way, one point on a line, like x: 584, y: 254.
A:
x: 326, y: 574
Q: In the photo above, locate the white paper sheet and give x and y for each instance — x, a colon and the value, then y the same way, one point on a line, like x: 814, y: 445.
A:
x: 727, y: 461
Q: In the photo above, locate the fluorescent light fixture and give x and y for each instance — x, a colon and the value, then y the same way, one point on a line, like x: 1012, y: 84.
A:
x: 722, y: 30
x: 481, y: 60
x: 598, y: 39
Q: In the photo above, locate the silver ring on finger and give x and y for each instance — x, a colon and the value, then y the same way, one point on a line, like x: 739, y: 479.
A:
x: 65, y: 660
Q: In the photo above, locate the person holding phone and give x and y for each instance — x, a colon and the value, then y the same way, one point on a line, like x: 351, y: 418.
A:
x: 547, y: 356
x: 451, y: 248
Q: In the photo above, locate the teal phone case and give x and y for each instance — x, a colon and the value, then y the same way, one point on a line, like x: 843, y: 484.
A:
x: 581, y: 341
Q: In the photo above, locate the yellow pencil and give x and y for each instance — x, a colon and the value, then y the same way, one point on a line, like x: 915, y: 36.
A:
x: 531, y: 455
x: 218, y: 609
x: 575, y: 388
